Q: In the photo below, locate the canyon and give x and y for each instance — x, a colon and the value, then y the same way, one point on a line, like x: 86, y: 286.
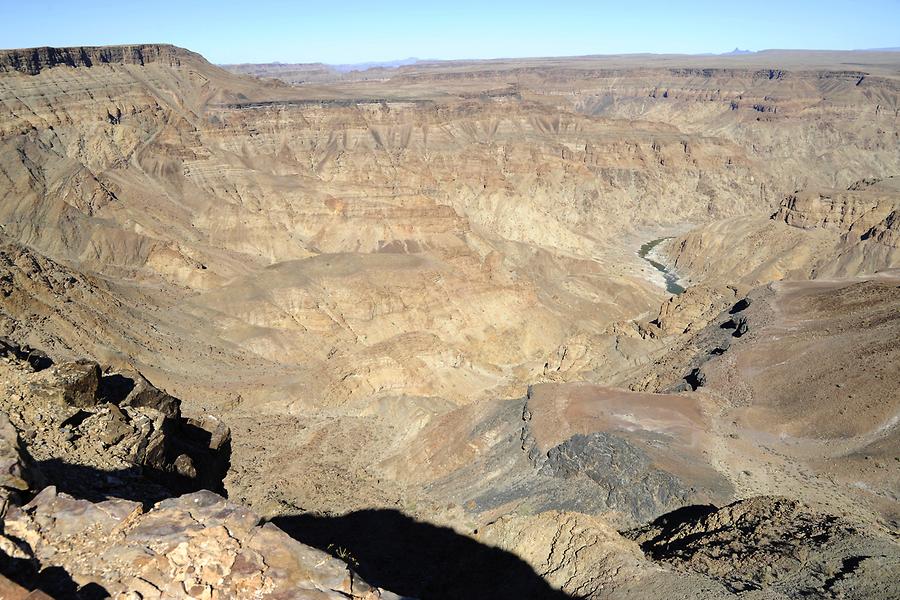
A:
x: 588, y: 327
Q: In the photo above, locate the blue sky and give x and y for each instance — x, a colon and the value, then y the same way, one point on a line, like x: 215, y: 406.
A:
x: 346, y: 32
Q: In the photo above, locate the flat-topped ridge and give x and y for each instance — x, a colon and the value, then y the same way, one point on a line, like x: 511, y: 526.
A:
x: 32, y: 61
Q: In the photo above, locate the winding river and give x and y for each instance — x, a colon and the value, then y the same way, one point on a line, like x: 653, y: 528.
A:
x: 672, y: 285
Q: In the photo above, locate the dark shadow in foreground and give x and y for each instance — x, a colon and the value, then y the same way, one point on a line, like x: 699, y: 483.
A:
x: 412, y: 558
x: 89, y: 483
x: 53, y: 581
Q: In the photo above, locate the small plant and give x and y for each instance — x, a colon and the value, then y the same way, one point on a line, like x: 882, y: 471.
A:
x: 344, y: 554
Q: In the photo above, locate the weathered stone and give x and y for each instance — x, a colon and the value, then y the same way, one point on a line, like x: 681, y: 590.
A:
x: 145, y: 395
x: 184, y: 466
x: 10, y: 590
x: 70, y: 384
x: 219, y: 433
x: 95, y: 444
x: 579, y: 554
x: 35, y: 358
x: 191, y: 546
x: 116, y: 426
x: 15, y: 463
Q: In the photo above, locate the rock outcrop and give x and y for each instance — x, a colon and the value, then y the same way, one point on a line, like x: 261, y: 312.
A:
x: 775, y: 544
x: 581, y: 555
x: 622, y: 472
x: 70, y: 384
x: 586, y: 558
x: 195, y: 546
x: 98, y: 434
x: 116, y: 457
x: 36, y: 358
x: 814, y: 233
x: 854, y: 211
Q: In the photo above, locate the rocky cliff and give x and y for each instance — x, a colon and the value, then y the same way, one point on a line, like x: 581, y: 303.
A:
x: 32, y: 61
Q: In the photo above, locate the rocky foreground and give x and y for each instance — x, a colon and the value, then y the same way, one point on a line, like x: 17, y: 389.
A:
x: 90, y: 510
x: 107, y: 452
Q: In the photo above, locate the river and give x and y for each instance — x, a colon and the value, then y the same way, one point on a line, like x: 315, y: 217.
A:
x: 672, y: 285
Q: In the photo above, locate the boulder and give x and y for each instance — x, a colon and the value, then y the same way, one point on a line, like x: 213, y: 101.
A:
x: 113, y: 435
x: 115, y: 426
x: 145, y: 395
x: 71, y: 383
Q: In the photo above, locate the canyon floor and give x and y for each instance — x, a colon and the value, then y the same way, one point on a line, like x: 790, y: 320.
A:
x: 592, y: 327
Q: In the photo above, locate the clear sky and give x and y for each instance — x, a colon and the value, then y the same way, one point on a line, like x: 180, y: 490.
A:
x: 337, y: 31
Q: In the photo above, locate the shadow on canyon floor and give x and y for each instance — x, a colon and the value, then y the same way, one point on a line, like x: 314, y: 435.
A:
x: 413, y: 558
x: 386, y: 547
x: 140, y: 484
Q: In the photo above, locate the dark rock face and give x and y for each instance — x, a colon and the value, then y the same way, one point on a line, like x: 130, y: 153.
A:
x: 623, y: 472
x: 145, y: 394
x: 32, y: 61
x: 71, y: 383
x: 775, y: 543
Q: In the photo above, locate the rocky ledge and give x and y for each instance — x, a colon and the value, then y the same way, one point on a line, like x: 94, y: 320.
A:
x: 194, y: 546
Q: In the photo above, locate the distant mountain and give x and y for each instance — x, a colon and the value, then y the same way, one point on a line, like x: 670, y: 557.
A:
x: 736, y: 52
x: 392, y: 64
